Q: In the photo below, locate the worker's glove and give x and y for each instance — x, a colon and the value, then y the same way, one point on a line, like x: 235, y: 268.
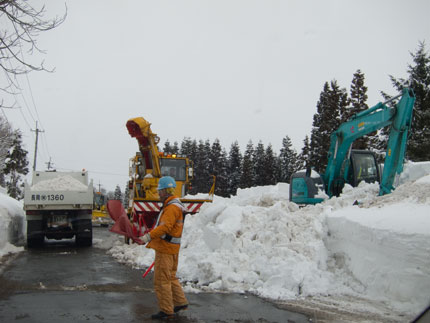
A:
x: 146, y: 238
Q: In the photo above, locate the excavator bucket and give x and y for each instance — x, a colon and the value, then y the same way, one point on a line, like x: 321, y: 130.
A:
x: 122, y: 224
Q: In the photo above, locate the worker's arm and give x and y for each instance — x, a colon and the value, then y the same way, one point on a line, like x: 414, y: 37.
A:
x: 167, y: 221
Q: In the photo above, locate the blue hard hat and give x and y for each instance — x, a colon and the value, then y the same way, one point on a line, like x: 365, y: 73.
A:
x: 166, y: 182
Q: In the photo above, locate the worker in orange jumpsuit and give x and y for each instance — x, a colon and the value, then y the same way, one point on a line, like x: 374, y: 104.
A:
x: 165, y: 239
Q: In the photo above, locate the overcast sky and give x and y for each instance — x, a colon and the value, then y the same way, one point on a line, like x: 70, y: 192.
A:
x: 232, y: 70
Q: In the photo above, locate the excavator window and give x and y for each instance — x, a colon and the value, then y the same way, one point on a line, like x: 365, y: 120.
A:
x: 365, y: 168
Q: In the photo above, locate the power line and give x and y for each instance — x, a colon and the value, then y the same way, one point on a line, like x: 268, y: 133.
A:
x: 45, y: 142
x: 23, y: 116
x: 29, y: 87
x: 32, y: 99
x: 26, y: 105
x: 16, y: 85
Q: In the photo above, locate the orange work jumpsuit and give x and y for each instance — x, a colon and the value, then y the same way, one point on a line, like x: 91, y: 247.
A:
x: 165, y: 240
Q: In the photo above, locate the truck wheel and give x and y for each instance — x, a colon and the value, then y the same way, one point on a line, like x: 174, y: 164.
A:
x: 84, y: 234
x: 35, y: 236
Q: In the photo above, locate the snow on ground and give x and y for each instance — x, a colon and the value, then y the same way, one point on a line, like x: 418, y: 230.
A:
x: 12, y: 225
x: 259, y: 242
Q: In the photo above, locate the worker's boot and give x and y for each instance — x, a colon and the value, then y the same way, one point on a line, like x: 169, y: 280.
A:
x: 178, y: 308
x: 162, y: 316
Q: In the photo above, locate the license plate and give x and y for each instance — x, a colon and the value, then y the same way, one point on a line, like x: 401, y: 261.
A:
x: 59, y: 220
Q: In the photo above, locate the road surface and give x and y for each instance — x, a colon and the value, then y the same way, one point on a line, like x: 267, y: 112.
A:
x: 62, y: 283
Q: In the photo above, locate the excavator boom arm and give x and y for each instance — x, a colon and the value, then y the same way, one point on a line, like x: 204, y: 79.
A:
x: 396, y: 147
x: 364, y: 123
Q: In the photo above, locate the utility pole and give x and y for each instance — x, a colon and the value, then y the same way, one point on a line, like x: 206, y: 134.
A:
x: 50, y: 164
x: 35, y: 146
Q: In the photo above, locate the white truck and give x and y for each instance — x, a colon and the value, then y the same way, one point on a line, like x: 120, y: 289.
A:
x: 58, y: 205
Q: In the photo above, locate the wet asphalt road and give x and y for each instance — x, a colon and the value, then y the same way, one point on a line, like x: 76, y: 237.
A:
x: 63, y: 283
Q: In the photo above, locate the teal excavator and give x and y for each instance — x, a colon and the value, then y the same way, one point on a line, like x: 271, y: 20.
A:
x: 346, y: 165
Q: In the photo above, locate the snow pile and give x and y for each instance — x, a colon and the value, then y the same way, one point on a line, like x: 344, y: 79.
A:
x: 12, y: 228
x: 60, y: 183
x: 257, y: 241
x: 385, y: 243
x: 413, y: 171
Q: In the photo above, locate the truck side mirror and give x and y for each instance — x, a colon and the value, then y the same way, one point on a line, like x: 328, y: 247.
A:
x: 190, y: 172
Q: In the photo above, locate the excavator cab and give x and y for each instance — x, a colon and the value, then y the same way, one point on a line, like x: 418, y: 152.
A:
x: 364, y: 167
x: 361, y: 166
x: 305, y: 187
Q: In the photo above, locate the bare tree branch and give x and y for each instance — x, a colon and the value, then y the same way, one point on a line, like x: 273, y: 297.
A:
x: 21, y: 24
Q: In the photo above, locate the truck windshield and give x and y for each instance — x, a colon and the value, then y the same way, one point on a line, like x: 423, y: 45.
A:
x: 365, y: 168
x: 173, y: 167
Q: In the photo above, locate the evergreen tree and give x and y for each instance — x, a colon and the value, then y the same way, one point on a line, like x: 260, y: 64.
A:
x: 175, y: 148
x: 16, y: 164
x: 167, y: 147
x: 358, y: 103
x: 189, y: 149
x: 219, y: 168
x: 418, y: 148
x: 126, y: 196
x: 259, y: 164
x: 288, y: 160
x: 118, y: 193
x: 170, y: 149
x: 330, y: 109
x: 304, y: 157
x: 186, y: 147
x: 247, y: 176
x: 110, y: 195
x: 234, y: 168
x: 202, y: 173
x: 215, y: 153
x: 6, y: 135
x: 206, y: 183
x: 270, y: 167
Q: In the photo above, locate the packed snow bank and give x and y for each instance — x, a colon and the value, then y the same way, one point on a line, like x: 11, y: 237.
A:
x: 414, y: 171
x: 261, y: 243
x: 12, y: 225
x: 385, y: 243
